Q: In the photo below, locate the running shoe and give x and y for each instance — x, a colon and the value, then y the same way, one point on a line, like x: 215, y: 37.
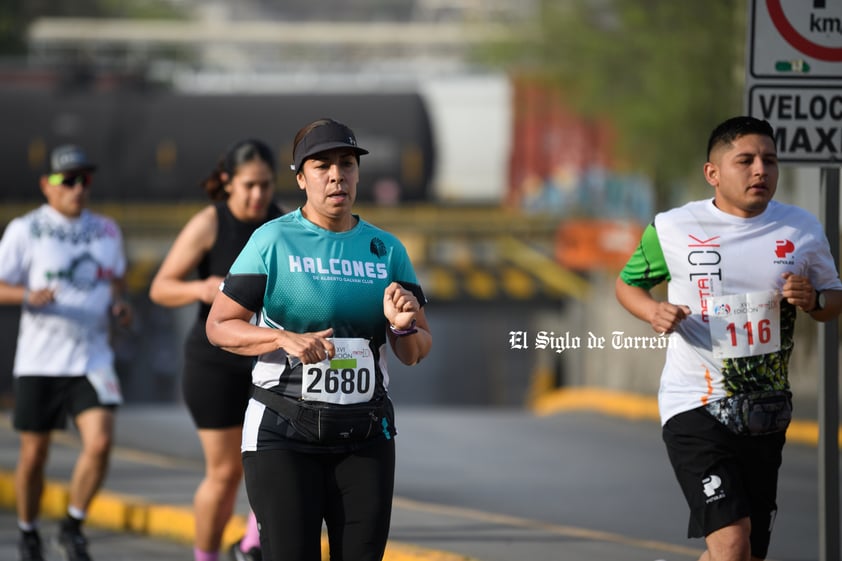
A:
x: 29, y: 547
x: 237, y: 554
x: 72, y: 545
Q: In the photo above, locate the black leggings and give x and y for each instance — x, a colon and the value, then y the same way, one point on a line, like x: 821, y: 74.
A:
x: 292, y: 492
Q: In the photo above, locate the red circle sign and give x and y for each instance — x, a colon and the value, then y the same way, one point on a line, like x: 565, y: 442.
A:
x: 794, y: 38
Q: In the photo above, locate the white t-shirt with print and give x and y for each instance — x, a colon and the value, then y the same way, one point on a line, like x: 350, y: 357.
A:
x: 706, y: 254
x: 78, y: 258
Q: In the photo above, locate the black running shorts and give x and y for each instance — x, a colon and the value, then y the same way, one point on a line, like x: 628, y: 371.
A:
x: 216, y: 384
x: 43, y: 403
x: 725, y: 477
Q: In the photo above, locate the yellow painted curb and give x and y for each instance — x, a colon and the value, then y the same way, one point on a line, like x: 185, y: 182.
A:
x: 111, y: 512
x: 7, y: 490
x: 126, y: 513
x: 54, y: 500
x: 404, y: 552
x: 171, y: 522
x: 614, y: 403
x: 639, y: 407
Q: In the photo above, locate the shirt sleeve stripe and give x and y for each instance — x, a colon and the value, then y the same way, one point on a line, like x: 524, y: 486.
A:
x: 647, y: 266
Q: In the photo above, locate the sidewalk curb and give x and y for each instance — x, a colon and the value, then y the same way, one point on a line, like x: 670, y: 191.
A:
x: 132, y: 514
x: 127, y: 513
x: 634, y: 406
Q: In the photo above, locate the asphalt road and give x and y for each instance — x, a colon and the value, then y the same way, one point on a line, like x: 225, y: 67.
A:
x: 488, y: 484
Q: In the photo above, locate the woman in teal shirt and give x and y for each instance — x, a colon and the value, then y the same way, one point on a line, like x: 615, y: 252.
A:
x: 316, y: 295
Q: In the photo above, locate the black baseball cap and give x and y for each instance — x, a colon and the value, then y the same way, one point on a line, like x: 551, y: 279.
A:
x: 70, y: 157
x: 328, y: 136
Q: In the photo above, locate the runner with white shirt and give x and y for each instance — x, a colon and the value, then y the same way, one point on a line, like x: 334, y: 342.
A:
x: 738, y: 267
x: 64, y: 265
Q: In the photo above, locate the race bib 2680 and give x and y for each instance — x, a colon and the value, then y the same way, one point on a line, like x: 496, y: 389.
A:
x: 345, y: 379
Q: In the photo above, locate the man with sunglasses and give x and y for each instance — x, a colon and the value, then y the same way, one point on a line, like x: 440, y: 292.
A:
x: 64, y: 266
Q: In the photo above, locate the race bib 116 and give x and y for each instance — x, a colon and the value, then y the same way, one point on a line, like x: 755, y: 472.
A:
x: 745, y: 324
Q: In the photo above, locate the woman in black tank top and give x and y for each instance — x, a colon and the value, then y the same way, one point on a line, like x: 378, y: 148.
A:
x: 216, y: 384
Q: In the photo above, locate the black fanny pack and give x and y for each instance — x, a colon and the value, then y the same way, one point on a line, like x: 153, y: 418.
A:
x: 325, y: 423
x: 754, y: 413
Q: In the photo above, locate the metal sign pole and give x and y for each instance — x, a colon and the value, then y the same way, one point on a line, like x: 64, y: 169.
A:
x: 829, y: 547
x: 793, y: 77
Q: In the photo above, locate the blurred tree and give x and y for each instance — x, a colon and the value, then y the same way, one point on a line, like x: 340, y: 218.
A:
x: 16, y: 15
x: 12, y: 39
x: 664, y: 73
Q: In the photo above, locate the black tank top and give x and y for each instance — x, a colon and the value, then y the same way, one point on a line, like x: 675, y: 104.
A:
x: 200, y: 356
x: 231, y: 235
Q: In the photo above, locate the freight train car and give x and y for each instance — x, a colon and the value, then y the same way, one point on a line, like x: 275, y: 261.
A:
x: 158, y: 146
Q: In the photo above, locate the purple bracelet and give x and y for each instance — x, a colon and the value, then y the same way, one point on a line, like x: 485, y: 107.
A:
x: 402, y: 332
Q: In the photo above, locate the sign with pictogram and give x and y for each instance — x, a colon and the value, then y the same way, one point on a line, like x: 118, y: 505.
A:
x: 796, y: 39
x: 794, y: 76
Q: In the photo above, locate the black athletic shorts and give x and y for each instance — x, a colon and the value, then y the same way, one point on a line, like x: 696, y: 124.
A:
x: 43, y: 403
x: 216, y: 384
x: 725, y: 477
